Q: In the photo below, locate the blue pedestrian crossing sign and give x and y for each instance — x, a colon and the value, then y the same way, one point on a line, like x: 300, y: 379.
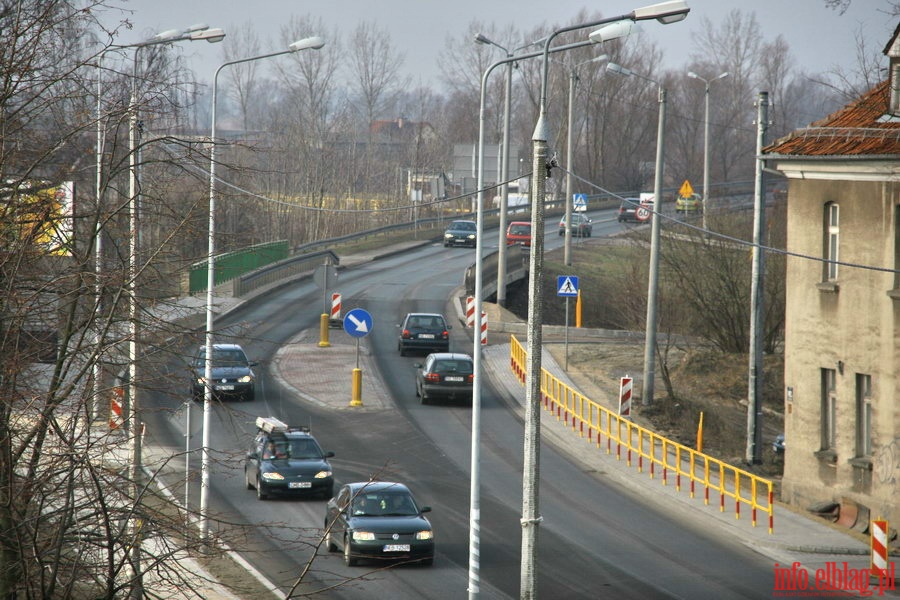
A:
x: 579, y: 202
x: 567, y: 285
x: 358, y: 323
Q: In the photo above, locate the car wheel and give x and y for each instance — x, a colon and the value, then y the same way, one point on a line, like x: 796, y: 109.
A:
x: 349, y: 560
x: 247, y: 479
x: 425, y: 399
x: 418, y: 393
x: 329, y: 540
x: 260, y: 493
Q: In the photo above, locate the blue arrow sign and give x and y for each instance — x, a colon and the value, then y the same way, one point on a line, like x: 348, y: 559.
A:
x: 567, y: 285
x: 358, y: 323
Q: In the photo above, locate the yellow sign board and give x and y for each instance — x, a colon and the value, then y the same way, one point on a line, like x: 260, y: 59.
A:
x: 686, y: 190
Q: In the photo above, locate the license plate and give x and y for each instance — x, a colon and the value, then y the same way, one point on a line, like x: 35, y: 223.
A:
x: 299, y: 484
x: 453, y: 379
x: 225, y: 388
x: 426, y: 336
x: 396, y: 548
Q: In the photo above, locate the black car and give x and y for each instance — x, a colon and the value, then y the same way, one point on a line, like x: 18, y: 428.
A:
x: 425, y: 332
x: 287, y: 460
x: 461, y: 233
x: 628, y: 210
x: 232, y: 373
x: 446, y: 376
x: 581, y: 224
x: 378, y: 520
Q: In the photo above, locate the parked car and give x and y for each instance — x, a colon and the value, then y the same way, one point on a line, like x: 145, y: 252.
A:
x: 378, y: 520
x: 581, y: 224
x: 692, y: 203
x: 232, y: 373
x: 446, y: 376
x: 287, y: 460
x: 461, y: 233
x: 518, y: 232
x: 427, y: 332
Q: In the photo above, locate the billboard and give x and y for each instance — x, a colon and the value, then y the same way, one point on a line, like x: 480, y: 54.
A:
x: 42, y: 215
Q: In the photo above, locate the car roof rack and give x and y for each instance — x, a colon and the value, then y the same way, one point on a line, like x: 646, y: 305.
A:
x: 273, y: 425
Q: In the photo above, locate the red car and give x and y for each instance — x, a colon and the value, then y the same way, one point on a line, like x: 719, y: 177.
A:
x: 519, y: 232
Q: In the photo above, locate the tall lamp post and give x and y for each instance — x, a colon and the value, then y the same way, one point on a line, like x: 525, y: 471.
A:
x: 653, y: 284
x: 310, y: 43
x: 570, y: 150
x: 706, y: 83
x: 665, y: 12
x: 504, y: 163
x: 194, y: 33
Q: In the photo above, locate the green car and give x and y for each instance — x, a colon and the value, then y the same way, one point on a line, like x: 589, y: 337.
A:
x: 692, y: 203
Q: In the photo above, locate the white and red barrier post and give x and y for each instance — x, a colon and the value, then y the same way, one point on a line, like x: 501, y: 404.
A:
x: 625, y: 387
x: 335, y: 306
x: 484, y: 329
x: 879, y: 564
x: 115, y: 408
x: 470, y: 311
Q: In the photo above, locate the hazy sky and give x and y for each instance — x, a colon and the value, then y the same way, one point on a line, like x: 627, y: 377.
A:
x: 819, y: 37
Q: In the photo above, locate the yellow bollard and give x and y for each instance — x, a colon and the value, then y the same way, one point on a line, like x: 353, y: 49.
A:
x: 356, y: 388
x: 700, y: 434
x: 323, y: 331
x: 578, y: 309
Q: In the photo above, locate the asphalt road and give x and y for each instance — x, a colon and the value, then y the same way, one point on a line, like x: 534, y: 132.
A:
x: 596, y: 540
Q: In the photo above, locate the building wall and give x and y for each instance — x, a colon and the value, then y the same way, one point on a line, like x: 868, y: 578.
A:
x: 853, y: 328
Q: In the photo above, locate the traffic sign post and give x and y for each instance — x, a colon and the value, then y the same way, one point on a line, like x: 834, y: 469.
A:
x: 567, y: 287
x: 358, y: 324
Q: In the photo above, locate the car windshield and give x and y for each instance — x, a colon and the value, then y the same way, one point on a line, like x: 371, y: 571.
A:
x: 296, y: 449
x: 463, y: 367
x: 229, y: 357
x: 520, y: 229
x: 425, y: 322
x: 383, y: 504
x: 463, y: 226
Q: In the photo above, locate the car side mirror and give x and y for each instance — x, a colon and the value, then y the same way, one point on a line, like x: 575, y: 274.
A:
x: 449, y: 326
x: 253, y: 363
x: 329, y: 454
x: 425, y: 509
x: 252, y: 454
x: 417, y: 365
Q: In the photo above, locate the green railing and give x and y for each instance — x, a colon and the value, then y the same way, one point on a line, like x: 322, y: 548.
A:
x: 234, y: 264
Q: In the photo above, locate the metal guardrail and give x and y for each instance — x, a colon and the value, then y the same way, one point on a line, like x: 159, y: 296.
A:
x: 282, y: 270
x: 729, y: 481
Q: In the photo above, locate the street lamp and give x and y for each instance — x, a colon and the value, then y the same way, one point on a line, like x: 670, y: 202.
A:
x: 570, y: 162
x: 706, y: 83
x: 504, y: 164
x: 653, y: 284
x: 310, y: 43
x: 193, y: 33
x: 665, y: 12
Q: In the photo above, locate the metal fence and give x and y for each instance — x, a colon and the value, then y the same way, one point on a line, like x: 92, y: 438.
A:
x: 650, y: 450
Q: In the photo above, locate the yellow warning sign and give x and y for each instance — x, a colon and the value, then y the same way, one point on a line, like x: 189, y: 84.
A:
x: 686, y: 190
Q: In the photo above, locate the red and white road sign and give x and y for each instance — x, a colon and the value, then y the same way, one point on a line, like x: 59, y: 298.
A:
x: 470, y: 311
x: 484, y: 329
x: 625, y: 386
x: 643, y: 212
x: 336, y: 306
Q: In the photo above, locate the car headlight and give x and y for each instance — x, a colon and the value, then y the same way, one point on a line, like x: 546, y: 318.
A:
x: 246, y: 379
x: 471, y: 236
x: 273, y: 476
x: 448, y: 235
x: 323, y: 474
x: 363, y: 536
x: 424, y: 535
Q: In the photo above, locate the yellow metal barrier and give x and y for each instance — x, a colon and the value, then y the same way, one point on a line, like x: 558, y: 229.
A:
x: 587, y: 418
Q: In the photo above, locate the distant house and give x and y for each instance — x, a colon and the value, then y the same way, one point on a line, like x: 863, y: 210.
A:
x: 842, y: 327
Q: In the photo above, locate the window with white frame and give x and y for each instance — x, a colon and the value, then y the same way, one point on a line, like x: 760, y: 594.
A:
x: 829, y: 408
x: 832, y: 239
x: 897, y: 247
x: 863, y: 415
